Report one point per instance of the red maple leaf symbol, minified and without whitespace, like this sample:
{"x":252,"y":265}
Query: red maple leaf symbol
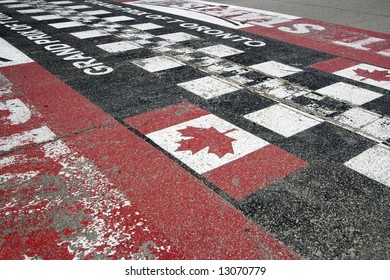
{"x":217,"y":142}
{"x":375,"y":75}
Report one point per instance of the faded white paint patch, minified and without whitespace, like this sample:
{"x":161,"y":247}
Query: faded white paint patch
{"x":121,"y":46}
{"x":118,"y":18}
{"x":19,"y":112}
{"x":357,"y":117}
{"x":96,"y":12}
{"x":278,"y":89}
{"x":16,"y":6}
{"x":5,"y":86}
{"x":31,"y":11}
{"x":89,"y":34}
{"x":379,"y":129}
{"x":47,"y":17}
{"x":157,"y":63}
{"x":178,"y":37}
{"x":62,"y":2}
{"x":220,"y":51}
{"x":38,"y":135}
{"x":146,"y":26}
{"x":68,"y":24}
{"x":79,"y":7}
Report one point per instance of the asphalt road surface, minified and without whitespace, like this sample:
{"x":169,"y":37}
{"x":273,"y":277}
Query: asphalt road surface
{"x":191,"y":130}
{"x":369,"y":15}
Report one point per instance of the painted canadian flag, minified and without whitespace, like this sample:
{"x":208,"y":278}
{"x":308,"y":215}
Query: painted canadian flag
{"x":361,"y":72}
{"x":235,"y":160}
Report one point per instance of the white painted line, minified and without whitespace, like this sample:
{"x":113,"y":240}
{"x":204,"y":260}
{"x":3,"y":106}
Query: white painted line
{"x":379,"y":129}
{"x":38,"y":135}
{"x":10,"y":55}
{"x":118,"y":18}
{"x":373,"y":163}
{"x":89,"y":34}
{"x":31,"y":11}
{"x":69,"y":24}
{"x":46,"y":17}
{"x":202,"y":161}
{"x":146,"y":26}
{"x":208,"y":87}
{"x":349,"y":93}
{"x":357,"y":117}
{"x":79,"y":7}
{"x":275,"y":69}
{"x":283,"y":120}
{"x":97,"y":12}
{"x":116,"y":47}
{"x":220,"y":51}
{"x":178,"y":37}
{"x":157,"y":63}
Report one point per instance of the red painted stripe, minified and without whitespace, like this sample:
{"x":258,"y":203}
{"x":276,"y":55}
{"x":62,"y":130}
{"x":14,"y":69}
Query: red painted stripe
{"x":195,"y":219}
{"x":334,"y":64}
{"x":324,"y":40}
{"x":169,"y":116}
{"x":66,"y":108}
{"x":242,"y":177}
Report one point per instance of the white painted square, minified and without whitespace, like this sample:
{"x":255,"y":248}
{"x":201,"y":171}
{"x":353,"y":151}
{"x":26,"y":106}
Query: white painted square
{"x":118,"y":18}
{"x":157,"y":63}
{"x":278,"y":89}
{"x":46,"y":17}
{"x":357,"y":117}
{"x":97,"y":12}
{"x":380,"y":77}
{"x":283,"y":120}
{"x":89,"y":34}
{"x":379,"y":129}
{"x":203,"y":161}
{"x":79,"y":7}
{"x":146,"y":26}
{"x":349,"y":93}
{"x":220,"y":51}
{"x":178,"y":37}
{"x":275,"y":69}
{"x":208,"y":87}
{"x":62,"y":2}
{"x":31,"y":11}
{"x":17,"y":6}
{"x":68,"y":24}
{"x":117,"y":47}
{"x":11,"y":55}
{"x":373,"y":163}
